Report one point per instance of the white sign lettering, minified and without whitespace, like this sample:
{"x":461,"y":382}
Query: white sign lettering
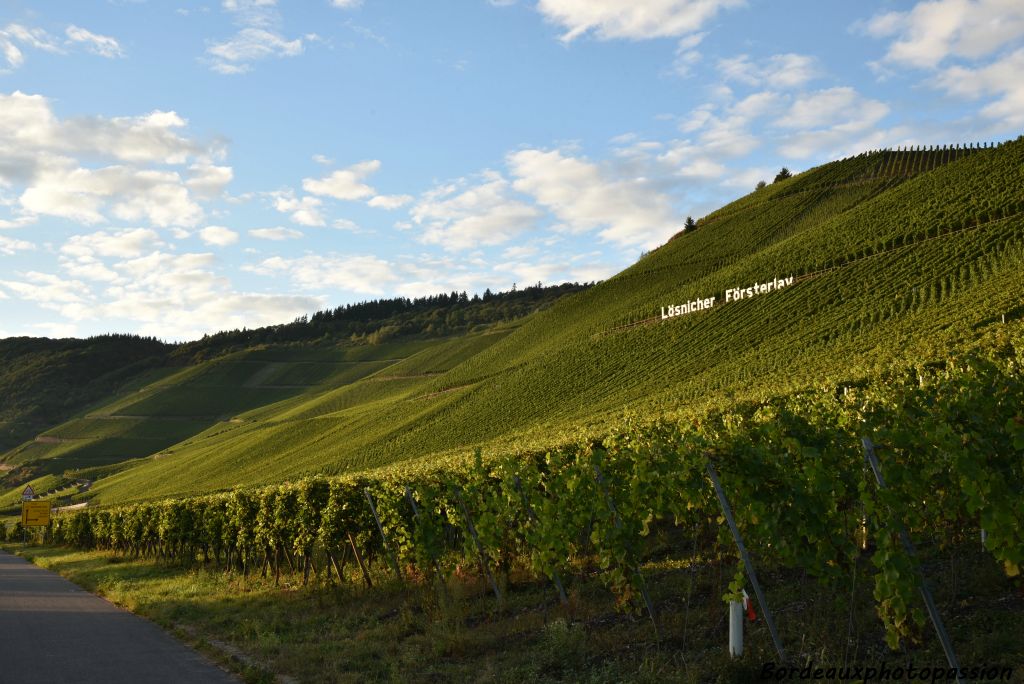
{"x":737,"y":293}
{"x":688,"y":307}
{"x":733,"y":294}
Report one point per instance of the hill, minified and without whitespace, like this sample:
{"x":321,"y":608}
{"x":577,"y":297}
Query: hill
{"x":44,"y":382}
{"x":891,"y":258}
{"x":82,"y":409}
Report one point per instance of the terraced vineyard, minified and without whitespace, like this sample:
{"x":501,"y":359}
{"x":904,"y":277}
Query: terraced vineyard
{"x":211,"y":396}
{"x":897,"y":257}
{"x":888,"y":267}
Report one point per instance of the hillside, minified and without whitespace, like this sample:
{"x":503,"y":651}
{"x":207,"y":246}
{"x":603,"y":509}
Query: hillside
{"x":82,"y":409}
{"x":44,"y":382}
{"x":895,"y":257}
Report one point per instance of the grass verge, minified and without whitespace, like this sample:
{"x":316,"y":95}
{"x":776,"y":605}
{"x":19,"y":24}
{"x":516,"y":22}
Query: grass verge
{"x":415,"y":633}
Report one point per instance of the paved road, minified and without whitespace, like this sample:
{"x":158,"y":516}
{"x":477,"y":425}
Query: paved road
{"x":54,"y":632}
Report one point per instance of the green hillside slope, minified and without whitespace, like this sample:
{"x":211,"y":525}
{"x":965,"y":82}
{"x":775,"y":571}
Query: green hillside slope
{"x":183,"y":402}
{"x":44,"y":382}
{"x":894,"y":257}
{"x":82,"y":409}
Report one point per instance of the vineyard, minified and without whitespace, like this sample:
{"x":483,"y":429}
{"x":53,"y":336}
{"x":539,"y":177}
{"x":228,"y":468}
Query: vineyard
{"x":580,"y":446}
{"x":950,"y":440}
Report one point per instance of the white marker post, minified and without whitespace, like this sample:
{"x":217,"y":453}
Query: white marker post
{"x":735,"y":629}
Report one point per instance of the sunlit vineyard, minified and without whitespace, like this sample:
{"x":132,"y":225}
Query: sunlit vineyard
{"x":888,"y":270}
{"x":950,"y":440}
{"x":573,"y":443}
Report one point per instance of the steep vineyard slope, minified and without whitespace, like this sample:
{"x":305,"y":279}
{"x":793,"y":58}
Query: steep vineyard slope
{"x":182,"y":402}
{"x":44,"y":382}
{"x":893,"y":256}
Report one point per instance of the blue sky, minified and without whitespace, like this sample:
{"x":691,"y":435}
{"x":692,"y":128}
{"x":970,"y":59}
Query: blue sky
{"x":172,"y":169}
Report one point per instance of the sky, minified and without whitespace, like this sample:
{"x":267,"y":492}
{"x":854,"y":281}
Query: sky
{"x":177,"y":168}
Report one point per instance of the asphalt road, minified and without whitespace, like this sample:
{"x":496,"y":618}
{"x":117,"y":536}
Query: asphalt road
{"x":52,"y":631}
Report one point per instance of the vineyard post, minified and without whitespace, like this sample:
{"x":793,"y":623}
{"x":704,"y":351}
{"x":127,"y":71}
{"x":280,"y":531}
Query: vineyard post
{"x":751,"y":573}
{"x":359,"y":559}
{"x":908,"y":546}
{"x":337,"y":567}
{"x":618,"y":525}
{"x":384,"y":538}
{"x":479,"y":547}
{"x":533,"y":516}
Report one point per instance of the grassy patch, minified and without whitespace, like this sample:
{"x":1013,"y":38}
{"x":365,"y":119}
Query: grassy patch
{"x":412,"y":633}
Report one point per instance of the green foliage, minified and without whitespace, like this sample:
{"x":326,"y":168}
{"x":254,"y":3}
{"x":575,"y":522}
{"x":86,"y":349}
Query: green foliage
{"x":43,"y":381}
{"x":949,"y":444}
{"x":889,"y":270}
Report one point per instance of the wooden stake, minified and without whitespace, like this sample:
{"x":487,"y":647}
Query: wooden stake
{"x":359,"y":559}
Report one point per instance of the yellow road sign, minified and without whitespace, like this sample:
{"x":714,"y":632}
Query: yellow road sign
{"x":35,"y":513}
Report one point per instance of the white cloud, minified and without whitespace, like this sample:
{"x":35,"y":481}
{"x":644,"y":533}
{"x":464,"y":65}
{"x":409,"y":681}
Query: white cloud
{"x":124,"y":244}
{"x":344,"y":184}
{"x":104,"y":46}
{"x":637,"y":19}
{"x":252,"y":12}
{"x":322,"y":159}
{"x":176,"y":295}
{"x":305,"y":211}
{"x":842,"y":108}
{"x":519,"y":251}
{"x":934,"y":30}
{"x":369,"y":275}
{"x":686,"y":54}
{"x":459,"y":217}
{"x":628,"y":211}
{"x":278,"y":233}
{"x":14,"y":34}
{"x":346,"y":4}
{"x":173,"y":296}
{"x":80,"y":194}
{"x":831,"y":123}
{"x":689,"y":160}
{"x":783,"y":71}
{"x":56,"y":330}
{"x":748,"y":178}
{"x":389,"y":202}
{"x":28,"y":126}
{"x":88,"y":268}
{"x":38,"y":153}
{"x":345,"y":224}
{"x":234,"y":56}
{"x":1001,"y":79}
{"x":46,"y":289}
{"x":18,"y":222}
{"x":207,"y":180}
{"x":9,"y":246}
{"x":218,"y":235}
